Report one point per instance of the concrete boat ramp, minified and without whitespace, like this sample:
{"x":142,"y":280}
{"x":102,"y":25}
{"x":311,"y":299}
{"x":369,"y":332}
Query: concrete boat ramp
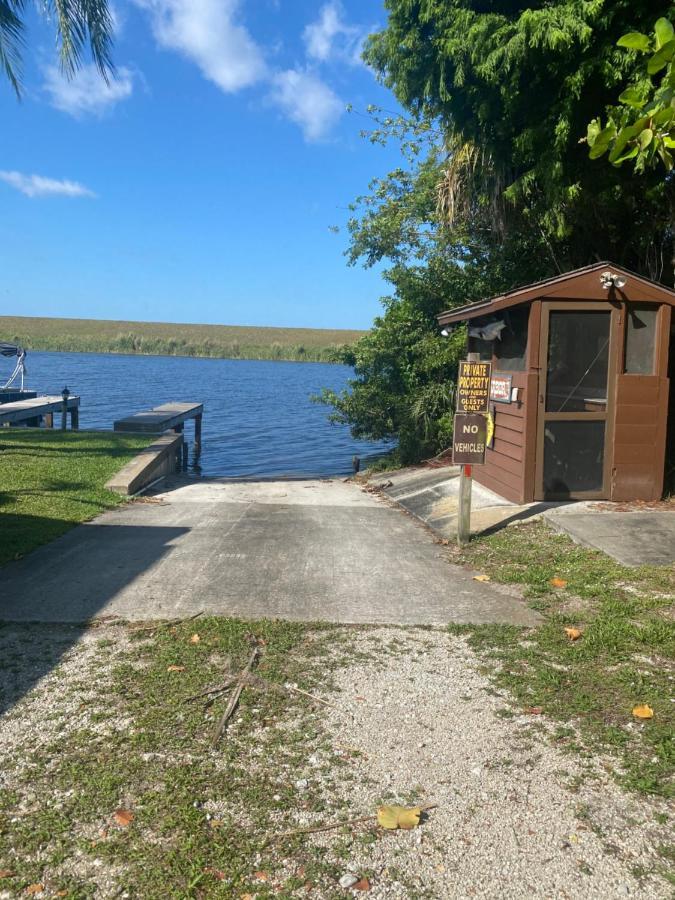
{"x":319,"y":550}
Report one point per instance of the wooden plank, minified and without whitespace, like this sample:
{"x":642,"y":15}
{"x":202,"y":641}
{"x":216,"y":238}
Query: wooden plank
{"x":637,"y":389}
{"x":510,"y":436}
{"x":633,"y":454}
{"x":506,"y":419}
{"x":530,"y":437}
{"x":160,"y":418}
{"x":504,"y":463}
{"x":512,"y":491}
{"x":634,"y":482}
{"x":631,"y":414}
{"x":504,"y":448}
{"x":645,"y":435}
{"x":23,"y":410}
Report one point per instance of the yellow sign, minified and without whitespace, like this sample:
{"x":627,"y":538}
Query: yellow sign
{"x":473,"y":387}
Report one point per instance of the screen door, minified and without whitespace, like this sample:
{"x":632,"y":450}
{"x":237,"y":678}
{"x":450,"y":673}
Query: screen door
{"x":574,"y":391}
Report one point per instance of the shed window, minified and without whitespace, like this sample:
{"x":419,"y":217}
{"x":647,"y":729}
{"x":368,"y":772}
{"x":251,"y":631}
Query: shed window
{"x":511,"y":350}
{"x":640,"y":339}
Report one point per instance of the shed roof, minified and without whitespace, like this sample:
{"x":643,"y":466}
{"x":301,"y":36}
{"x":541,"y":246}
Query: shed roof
{"x":580,"y":284}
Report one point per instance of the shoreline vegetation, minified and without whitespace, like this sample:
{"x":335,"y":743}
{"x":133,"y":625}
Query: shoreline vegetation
{"x":173,"y":339}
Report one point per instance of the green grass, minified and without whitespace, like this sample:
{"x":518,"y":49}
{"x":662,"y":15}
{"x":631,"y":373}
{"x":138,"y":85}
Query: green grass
{"x":51,"y":480}
{"x":202,"y":817}
{"x":168,"y":339}
{"x":625,"y":657}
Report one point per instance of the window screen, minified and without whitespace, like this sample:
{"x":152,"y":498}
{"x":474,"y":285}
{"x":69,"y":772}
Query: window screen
{"x":511,"y":350}
{"x":573,"y":457}
{"x":640,"y":339}
{"x":578,"y":356}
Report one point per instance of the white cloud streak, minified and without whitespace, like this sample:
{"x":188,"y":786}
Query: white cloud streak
{"x":308,"y":101}
{"x":330,"y":37}
{"x":39,"y":186}
{"x":86,"y":93}
{"x":207,"y":33}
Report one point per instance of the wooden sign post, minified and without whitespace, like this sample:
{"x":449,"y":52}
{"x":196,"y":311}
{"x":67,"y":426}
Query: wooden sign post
{"x":470,"y":434}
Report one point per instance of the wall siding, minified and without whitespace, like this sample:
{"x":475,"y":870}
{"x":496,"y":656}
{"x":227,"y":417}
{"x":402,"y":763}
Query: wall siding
{"x":641,"y":414}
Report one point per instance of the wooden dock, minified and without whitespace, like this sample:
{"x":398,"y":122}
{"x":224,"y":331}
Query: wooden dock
{"x":168,"y":416}
{"x":37,"y":408}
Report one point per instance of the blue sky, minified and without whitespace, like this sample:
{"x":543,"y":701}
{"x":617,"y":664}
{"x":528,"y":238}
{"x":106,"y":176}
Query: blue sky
{"x":200,"y":186}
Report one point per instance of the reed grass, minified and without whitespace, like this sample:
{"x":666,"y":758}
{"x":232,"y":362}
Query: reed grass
{"x":167,"y":339}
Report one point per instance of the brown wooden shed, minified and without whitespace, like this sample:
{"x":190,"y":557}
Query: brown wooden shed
{"x":581,"y":367}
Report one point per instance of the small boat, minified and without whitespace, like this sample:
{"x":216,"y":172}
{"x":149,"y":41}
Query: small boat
{"x":11,"y":351}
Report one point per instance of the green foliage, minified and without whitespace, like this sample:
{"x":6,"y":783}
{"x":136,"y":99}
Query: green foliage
{"x":86,"y":23}
{"x":513,"y":87}
{"x":405,"y":369}
{"x":167,"y":339}
{"x":641,"y":127}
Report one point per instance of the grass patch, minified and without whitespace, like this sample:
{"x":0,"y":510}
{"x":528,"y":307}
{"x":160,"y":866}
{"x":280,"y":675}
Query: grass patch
{"x":201,"y":817}
{"x":52,"y":480}
{"x":168,"y":339}
{"x":625,"y":657}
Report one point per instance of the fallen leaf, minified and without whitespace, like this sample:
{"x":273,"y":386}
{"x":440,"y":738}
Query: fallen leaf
{"x":123,"y":817}
{"x":392,"y":817}
{"x":534,"y":710}
{"x":481,"y":578}
{"x":195,"y":639}
{"x":643,"y":711}
{"x":558,"y":582}
{"x":215,"y":823}
{"x":246,"y":897}
{"x":261,"y":876}
{"x":175,"y":668}
{"x":361,"y":885}
{"x":440,"y":868}
{"x":215,"y":872}
{"x":6,"y":873}
{"x":34,"y":889}
{"x":573,"y":633}
{"x":61,"y":894}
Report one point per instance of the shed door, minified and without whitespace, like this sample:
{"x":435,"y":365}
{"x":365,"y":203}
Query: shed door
{"x":575,"y":396}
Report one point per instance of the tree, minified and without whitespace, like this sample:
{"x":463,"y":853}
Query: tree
{"x":404,"y":368}
{"x":513,"y":86}
{"x":79,"y":23}
{"x":641,"y":127}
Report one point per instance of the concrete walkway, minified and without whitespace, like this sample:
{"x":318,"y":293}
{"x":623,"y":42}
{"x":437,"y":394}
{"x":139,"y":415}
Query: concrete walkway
{"x":301,"y":550}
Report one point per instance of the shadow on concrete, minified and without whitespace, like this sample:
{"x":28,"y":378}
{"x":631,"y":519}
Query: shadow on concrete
{"x":535,"y":509}
{"x":39,"y":625}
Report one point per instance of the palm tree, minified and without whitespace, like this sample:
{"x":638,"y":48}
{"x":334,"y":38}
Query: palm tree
{"x":78,"y":23}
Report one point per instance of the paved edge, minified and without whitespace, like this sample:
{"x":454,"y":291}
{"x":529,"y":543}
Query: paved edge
{"x":155,"y":461}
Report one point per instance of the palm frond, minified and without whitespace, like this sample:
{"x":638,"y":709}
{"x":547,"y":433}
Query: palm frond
{"x":11,"y":41}
{"x":82,"y":22}
{"x":471,"y":179}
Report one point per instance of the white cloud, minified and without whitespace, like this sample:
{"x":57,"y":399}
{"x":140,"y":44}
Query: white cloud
{"x":307,"y":101}
{"x":39,"y":186}
{"x":207,"y":32}
{"x":331,"y":37}
{"x":86,"y":92}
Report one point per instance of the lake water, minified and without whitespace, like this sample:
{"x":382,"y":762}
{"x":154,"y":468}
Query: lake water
{"x":258,"y":416}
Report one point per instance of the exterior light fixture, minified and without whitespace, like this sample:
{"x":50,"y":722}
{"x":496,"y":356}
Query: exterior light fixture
{"x":609,"y":280}
{"x":445,"y":332}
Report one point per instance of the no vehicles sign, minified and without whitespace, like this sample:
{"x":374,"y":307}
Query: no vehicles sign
{"x":469,"y":439}
{"x":473,"y":387}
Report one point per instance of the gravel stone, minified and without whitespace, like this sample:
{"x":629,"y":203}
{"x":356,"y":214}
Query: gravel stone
{"x":506,"y":824}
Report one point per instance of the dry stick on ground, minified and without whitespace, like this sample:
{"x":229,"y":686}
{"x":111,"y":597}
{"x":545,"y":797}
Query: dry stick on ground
{"x":170,"y":623}
{"x":219,"y":689}
{"x":236,"y":694}
{"x":343,"y":823}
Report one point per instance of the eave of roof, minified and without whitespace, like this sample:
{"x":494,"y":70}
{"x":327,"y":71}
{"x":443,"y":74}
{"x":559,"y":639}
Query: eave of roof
{"x":580,"y":284}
